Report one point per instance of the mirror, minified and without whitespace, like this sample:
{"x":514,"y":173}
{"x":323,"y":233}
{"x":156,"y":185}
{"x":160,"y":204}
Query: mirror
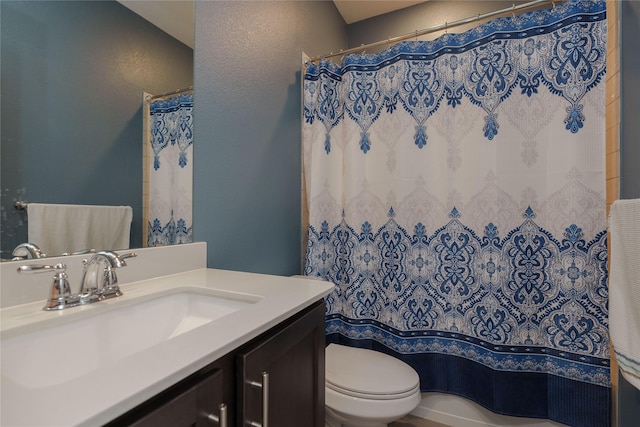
{"x":73,"y":75}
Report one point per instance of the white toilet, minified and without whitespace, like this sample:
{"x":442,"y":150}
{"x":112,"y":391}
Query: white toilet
{"x":366,"y":388}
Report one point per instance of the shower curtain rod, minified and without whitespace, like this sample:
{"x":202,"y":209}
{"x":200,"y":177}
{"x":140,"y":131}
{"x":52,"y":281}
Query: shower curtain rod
{"x":436,"y":28}
{"x":174,"y":92}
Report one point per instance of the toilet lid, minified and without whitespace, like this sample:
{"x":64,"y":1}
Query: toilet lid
{"x":361,"y":372}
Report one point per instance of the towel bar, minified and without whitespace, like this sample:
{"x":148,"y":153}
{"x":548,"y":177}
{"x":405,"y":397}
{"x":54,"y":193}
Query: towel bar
{"x":20,"y":205}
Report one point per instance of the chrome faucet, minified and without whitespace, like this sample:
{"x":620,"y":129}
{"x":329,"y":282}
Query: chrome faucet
{"x":99,"y":281}
{"x":26,"y":251}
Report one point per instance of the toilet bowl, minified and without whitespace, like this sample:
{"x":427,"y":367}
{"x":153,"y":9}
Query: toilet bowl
{"x":366,"y":388}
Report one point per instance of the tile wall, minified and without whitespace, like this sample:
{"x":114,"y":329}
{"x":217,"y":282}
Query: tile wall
{"x":613,"y":136}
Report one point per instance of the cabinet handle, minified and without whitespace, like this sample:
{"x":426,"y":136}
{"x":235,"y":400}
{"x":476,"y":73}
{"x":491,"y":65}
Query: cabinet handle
{"x":265,"y":400}
{"x":222,"y":419}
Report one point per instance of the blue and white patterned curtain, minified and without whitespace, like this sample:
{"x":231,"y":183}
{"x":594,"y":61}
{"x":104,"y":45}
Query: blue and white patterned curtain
{"x":457,"y":200}
{"x":171,"y":171}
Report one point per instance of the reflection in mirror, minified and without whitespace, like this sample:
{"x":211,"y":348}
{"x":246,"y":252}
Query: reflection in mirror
{"x":168,"y":183}
{"x":73,"y":75}
{"x":27,"y":251}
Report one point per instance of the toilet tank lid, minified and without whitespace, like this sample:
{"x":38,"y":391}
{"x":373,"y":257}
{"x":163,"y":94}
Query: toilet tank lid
{"x":367,"y":371}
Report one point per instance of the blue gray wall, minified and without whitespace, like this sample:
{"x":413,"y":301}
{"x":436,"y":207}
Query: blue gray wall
{"x":628,"y":396}
{"x":630,"y":108}
{"x":247,"y":110}
{"x":73,"y":73}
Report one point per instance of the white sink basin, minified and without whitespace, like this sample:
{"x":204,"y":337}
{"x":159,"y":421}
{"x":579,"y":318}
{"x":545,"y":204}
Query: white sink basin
{"x":40,"y":358}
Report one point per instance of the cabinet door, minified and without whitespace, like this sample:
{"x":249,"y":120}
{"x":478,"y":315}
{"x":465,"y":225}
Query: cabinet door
{"x":192,"y":407}
{"x":195,"y":401}
{"x":281,"y":379}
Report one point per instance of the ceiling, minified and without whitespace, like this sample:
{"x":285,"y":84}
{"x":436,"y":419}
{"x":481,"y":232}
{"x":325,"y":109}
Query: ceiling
{"x":358,"y":10}
{"x":176,"y":17}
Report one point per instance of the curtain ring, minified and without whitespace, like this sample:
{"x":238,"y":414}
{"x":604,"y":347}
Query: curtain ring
{"x":445,"y":27}
{"x":513,"y":10}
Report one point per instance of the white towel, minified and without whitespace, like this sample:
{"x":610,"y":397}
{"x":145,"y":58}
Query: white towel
{"x":624,"y":287}
{"x":58,"y":229}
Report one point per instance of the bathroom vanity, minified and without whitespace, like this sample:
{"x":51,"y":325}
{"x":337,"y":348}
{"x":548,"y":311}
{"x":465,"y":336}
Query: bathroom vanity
{"x":198,"y":345}
{"x":280,"y":372}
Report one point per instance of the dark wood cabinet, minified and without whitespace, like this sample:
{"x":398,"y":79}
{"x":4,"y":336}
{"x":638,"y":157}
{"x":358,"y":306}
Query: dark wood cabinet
{"x":205,"y":398}
{"x":275,"y":380}
{"x":201,"y":405}
{"x":281,"y":378}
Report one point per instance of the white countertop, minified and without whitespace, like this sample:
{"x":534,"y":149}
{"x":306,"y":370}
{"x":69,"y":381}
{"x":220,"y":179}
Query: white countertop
{"x":106,"y":393}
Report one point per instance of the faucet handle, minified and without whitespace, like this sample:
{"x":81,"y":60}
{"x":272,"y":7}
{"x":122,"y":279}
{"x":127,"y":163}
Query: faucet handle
{"x":99,"y":280}
{"x":81,"y":252}
{"x":110,"y":287}
{"x":60,"y":293}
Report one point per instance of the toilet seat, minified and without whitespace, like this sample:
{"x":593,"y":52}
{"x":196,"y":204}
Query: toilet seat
{"x":368,"y":374}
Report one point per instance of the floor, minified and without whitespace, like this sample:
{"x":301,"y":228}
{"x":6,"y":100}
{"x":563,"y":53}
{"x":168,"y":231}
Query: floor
{"x":411,"y":421}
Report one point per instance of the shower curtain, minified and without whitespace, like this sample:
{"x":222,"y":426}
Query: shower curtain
{"x":170,"y":171}
{"x":456,"y":195}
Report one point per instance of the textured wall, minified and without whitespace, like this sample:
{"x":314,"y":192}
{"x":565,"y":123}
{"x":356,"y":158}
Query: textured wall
{"x":247,"y":126}
{"x":628,"y":396}
{"x":630,"y":88}
{"x":73,"y":73}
